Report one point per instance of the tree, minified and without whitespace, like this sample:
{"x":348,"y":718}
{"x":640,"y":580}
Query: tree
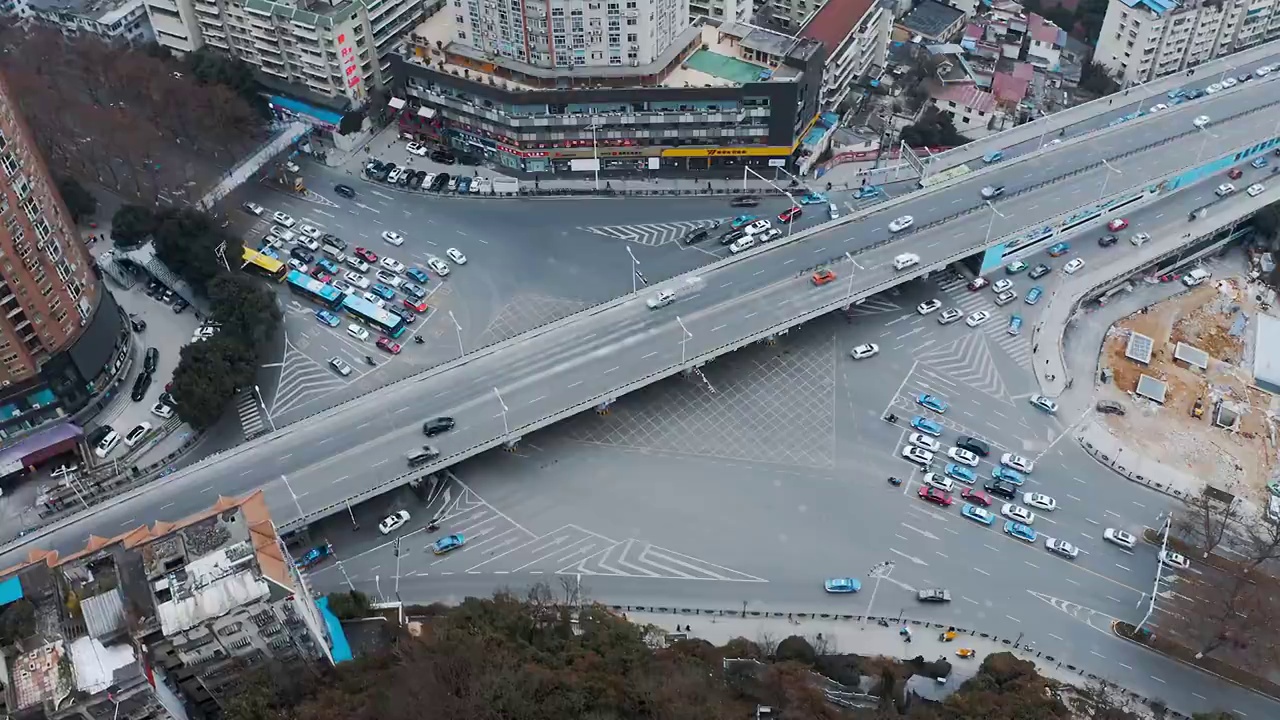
{"x":349,"y":605}
{"x":1096,"y":79}
{"x":797,"y":649}
{"x":1237,"y":613}
{"x":132,"y":225}
{"x":188,"y":242}
{"x":351,"y":122}
{"x":208,"y":375}
{"x":1100,"y":699}
{"x":17,"y":621}
{"x":80,"y":202}
{"x":933,"y":129}
{"x":1204,"y":521}
{"x":210,"y":68}
{"x":245,"y":306}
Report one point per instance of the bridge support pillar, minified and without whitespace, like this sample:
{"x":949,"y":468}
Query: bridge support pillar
{"x":511,"y":445}
{"x":771,"y":340}
{"x":603,"y":408}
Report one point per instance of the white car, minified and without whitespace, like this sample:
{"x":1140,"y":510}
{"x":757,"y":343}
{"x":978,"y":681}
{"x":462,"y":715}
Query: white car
{"x":756,"y":227}
{"x":1202,"y":120}
{"x":770,"y":235}
{"x":1263,"y":71}
{"x":901,"y":224}
{"x":341,"y":366}
{"x":942,"y":482}
{"x":1061,"y":547}
{"x":1044,"y":404}
{"x":393,"y":177}
{"x":136,"y":434}
{"x":282,"y":219}
{"x":862,"y":352}
{"x":283,"y":234}
{"x":746,"y":242}
{"x":357,"y":332}
{"x":456,"y":255}
{"x":949,"y":316}
{"x":253,"y":208}
{"x":1225,"y":189}
{"x":358,"y":264}
{"x":162,"y":411}
{"x":374,"y":299}
{"x":962,"y":456}
{"x":204,"y":333}
{"x":1229,"y":82}
{"x":977,"y":318}
{"x":1002,"y":285}
{"x":1017,"y":513}
{"x":924,"y":442}
{"x":392,"y":264}
{"x":310,"y":232}
{"x":1040,"y":501}
{"x":393,"y":238}
{"x":1158,"y":107}
{"x":300,"y":266}
{"x":1168,"y":556}
{"x":906,"y":260}
{"x":1119,"y":537}
{"x":341,"y":286}
{"x":928,"y":306}
{"x":1138,"y":239}
{"x":417,"y":149}
{"x":386,"y":277}
{"x":356,"y":279}
{"x":1017,"y":462}
{"x":309,"y":244}
{"x":480,"y":185}
{"x":1256,"y":189}
{"x":440,"y":267}
{"x":662,"y":299}
{"x":916,"y":455}
{"x":1071,"y":267}
{"x":1214,"y":88}
{"x":390,"y":523}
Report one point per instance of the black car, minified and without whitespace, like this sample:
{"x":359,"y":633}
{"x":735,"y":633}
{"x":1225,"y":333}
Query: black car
{"x":405,"y":177}
{"x":138,"y":325}
{"x":404,"y":313}
{"x":443,"y":157}
{"x":1038,"y":271}
{"x":345,"y":191}
{"x":301,"y":254}
{"x":934,"y":595}
{"x":95,"y":436}
{"x":385,"y":171}
{"x":333,"y":241}
{"x":422,"y":456}
{"x":471,"y":160}
{"x":180,"y":306}
{"x":744,"y":201}
{"x":1108,"y":240}
{"x":1002,"y":489}
{"x":697,"y":236}
{"x":440,"y":182}
{"x":732,"y":235}
{"x":416,"y":181}
{"x":435,"y":426}
{"x":1110,"y":407}
{"x":150,"y":359}
{"x":167,"y":399}
{"x":140,"y":386}
{"x":974,"y":445}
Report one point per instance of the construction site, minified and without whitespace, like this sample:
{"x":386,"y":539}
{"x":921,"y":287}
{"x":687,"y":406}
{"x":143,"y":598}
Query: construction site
{"x":1182,"y":371}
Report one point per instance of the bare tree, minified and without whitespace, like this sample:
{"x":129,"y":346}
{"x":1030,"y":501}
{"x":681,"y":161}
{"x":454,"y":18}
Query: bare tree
{"x":1205,"y":521}
{"x":1235,"y":615}
{"x":1261,"y":543}
{"x":1100,"y":699}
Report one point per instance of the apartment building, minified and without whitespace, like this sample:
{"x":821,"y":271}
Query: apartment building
{"x":709,"y":96}
{"x":160,"y":622}
{"x":1145,"y":39}
{"x":122,"y":21}
{"x":726,"y":10}
{"x":63,"y":339}
{"x":855,"y":34}
{"x":793,"y":14}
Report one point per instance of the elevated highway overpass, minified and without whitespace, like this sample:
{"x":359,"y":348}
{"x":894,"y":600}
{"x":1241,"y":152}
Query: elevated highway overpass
{"x":357,"y":450}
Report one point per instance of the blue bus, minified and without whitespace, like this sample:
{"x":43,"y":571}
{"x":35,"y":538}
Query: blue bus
{"x":385,"y":322}
{"x":314,"y":290}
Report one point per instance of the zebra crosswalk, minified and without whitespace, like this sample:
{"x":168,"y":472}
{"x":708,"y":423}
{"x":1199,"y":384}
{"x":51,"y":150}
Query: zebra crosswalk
{"x":250,"y":413}
{"x":652,"y":234}
{"x":1016,"y":348}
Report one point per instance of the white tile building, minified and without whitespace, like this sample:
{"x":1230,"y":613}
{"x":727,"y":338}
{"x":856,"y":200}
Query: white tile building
{"x":112,"y":20}
{"x":855,"y":34}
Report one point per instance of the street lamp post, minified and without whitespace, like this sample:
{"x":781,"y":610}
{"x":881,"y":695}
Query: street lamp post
{"x":877,"y":571}
{"x":221,"y":252}
{"x":1204,"y":143}
{"x":635,"y":271}
{"x":258,"y":394}
{"x":294,"y":495}
{"x":791,"y":218}
{"x":991,"y":224}
{"x":1107,"y":177}
{"x":457,"y":327}
{"x":1164,"y":545}
{"x":683,"y":339}
{"x":354,"y":525}
{"x":505,"y":429}
{"x":854,"y":263}
{"x":595,"y":151}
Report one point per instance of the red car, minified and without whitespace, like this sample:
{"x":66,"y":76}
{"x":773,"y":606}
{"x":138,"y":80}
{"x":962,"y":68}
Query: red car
{"x":977,"y":283}
{"x":386,"y":344}
{"x":935,"y":496}
{"x":976,"y":497}
{"x":418,"y":306}
{"x":368,"y":256}
{"x":322,"y":276}
{"x":1117,"y":224}
{"x":1235,"y":174}
{"x":790,"y":214}
{"x":823,"y":276}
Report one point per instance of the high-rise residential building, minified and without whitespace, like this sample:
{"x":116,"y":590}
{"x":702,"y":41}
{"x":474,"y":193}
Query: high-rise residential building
{"x":856,"y":36}
{"x":724,"y":10}
{"x":63,"y":339}
{"x":123,"y":21}
{"x":1145,"y":39}
{"x":160,"y":622}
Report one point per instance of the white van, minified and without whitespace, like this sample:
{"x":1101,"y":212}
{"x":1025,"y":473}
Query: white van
{"x":337,"y":255}
{"x":107,"y":444}
{"x":1195,"y":277}
{"x":905,"y":260}
{"x":745,"y":242}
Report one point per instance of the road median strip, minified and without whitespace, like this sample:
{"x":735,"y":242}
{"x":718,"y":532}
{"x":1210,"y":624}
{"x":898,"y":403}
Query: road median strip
{"x":1186,"y":656}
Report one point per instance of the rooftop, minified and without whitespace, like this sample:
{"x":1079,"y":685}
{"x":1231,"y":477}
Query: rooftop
{"x":834,"y":21}
{"x":931,"y":19}
{"x":965,"y":96}
{"x":1043,"y":31}
{"x":310,"y":14}
{"x":1009,"y":89}
{"x":103,"y":11}
{"x":1159,"y":7}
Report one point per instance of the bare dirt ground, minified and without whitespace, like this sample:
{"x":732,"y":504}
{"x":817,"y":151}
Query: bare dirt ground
{"x":1238,"y":459}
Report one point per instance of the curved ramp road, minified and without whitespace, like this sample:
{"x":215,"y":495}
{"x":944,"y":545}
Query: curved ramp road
{"x":355,"y":450}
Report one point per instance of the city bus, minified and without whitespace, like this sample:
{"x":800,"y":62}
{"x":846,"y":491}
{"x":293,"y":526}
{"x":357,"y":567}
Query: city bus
{"x":263,"y":264}
{"x":314,"y":290}
{"x":385,"y":322}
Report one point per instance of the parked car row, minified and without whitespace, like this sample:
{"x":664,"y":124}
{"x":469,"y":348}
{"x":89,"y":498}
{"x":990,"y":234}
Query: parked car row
{"x":411,"y":179}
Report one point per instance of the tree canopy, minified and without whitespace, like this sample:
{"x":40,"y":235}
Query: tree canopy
{"x":933,"y":129}
{"x":80,"y":202}
{"x":207,"y":377}
{"x":187,"y":241}
{"x":132,"y":225}
{"x":245,"y":306}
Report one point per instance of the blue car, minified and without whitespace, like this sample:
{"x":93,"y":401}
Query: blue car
{"x":1015,"y":325}
{"x":464,"y":184}
{"x":329,"y":266}
{"x":742,"y":220}
{"x":1175,"y":94}
{"x":1259,"y":162}
{"x":417,"y":275}
{"x":383,"y":291}
{"x":842,"y":585}
{"x":935,"y":404}
{"x":269,"y":252}
{"x":415,"y":291}
{"x":961,"y":473}
{"x":314,"y":556}
{"x":1033,"y":295}
{"x":1012,"y":477}
{"x":993,"y":156}
{"x":866,"y":192}
{"x":926,"y":426}
{"x":1059,"y":250}
{"x":328,"y":318}
{"x":447,"y":543}
{"x":1020,"y":531}
{"x":813,"y":199}
{"x":977,"y":514}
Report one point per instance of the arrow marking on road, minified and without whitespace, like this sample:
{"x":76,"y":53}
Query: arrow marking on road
{"x":925,"y":533}
{"x":903,"y":555}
